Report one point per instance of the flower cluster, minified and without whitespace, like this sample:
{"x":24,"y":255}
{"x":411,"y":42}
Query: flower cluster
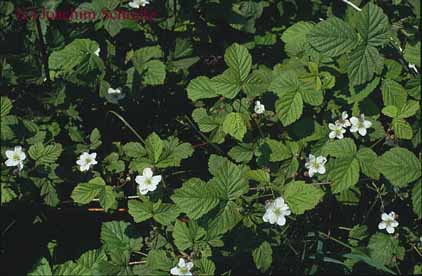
{"x":276,"y":212}
{"x":358,"y":124}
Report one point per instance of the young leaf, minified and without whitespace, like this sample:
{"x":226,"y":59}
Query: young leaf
{"x":263,"y":256}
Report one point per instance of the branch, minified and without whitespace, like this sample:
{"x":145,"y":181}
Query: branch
{"x":352,"y":5}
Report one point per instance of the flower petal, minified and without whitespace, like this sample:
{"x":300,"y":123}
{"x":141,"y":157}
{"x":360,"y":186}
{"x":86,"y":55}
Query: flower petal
{"x":147,"y":172}
{"x":362,"y":131}
{"x":382,"y":225}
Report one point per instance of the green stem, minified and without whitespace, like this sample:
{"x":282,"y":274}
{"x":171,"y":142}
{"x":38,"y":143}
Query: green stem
{"x":203,"y":136}
{"x":128,"y":125}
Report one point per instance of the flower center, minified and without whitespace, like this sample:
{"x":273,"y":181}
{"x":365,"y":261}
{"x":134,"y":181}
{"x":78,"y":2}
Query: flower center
{"x":16,"y":157}
{"x":315,"y":164}
{"x":183,"y":269}
{"x":360,"y":124}
{"x":88,"y":160}
{"x":148,"y":181}
{"x":277,"y":211}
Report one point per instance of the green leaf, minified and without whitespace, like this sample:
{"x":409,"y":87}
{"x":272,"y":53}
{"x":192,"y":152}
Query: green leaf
{"x":235,"y":125}
{"x":409,"y":109}
{"x":91,"y":260}
{"x":344,"y":173}
{"x":289,"y":107}
{"x":154,"y":147}
{"x":390,"y":111}
{"x":119,"y":235}
{"x":402,"y":129}
{"x":260,"y":175}
{"x":238,"y":58}
{"x":393,"y":93}
{"x":141,"y":56}
{"x":161,"y":212}
{"x":367,"y":162}
{"x":332,"y":37}
{"x":340,"y":148}
{"x":185,"y":235}
{"x":242,"y":152}
{"x":295,"y":38}
{"x":96,"y":187}
{"x":155,"y":73}
{"x":201,"y":88}
{"x":257,"y":83}
{"x":45,"y":154}
{"x":263,"y":256}
{"x":42,"y":267}
{"x":301,"y":197}
{"x":279,"y":151}
{"x":399,"y":166}
{"x":383,"y":247}
{"x":227,"y":84}
{"x":417,"y":198}
{"x":372,"y":24}
{"x":5,"y":106}
{"x":78,"y":56}
{"x":363,"y":62}
{"x":195,"y":198}
{"x":229,"y":180}
{"x":158,"y":259}
{"x":134,"y":150}
{"x":205,"y":266}
{"x":174,"y":152}
{"x":412,"y":53}
{"x":225,"y":220}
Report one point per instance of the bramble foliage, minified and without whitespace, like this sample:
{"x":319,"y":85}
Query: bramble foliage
{"x":213,"y":138}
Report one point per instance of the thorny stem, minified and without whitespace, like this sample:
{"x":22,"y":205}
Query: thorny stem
{"x":203,"y":136}
{"x":137,"y":262}
{"x":335,"y":240}
{"x":352,"y":5}
{"x":377,"y":142}
{"x":259,"y":128}
{"x":128,"y":125}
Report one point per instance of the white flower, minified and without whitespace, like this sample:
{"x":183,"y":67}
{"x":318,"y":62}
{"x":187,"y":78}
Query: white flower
{"x":276,"y":211}
{"x":147,"y":182}
{"x":97,"y":52}
{"x":337,"y":131}
{"x":114,"y":95}
{"x":259,"y":108}
{"x":182,"y":268}
{"x":343,"y":122}
{"x":15,"y":157}
{"x":137,"y":3}
{"x":86,"y":160}
{"x":360,"y":125}
{"x":315,"y":165}
{"x":388,"y":222}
